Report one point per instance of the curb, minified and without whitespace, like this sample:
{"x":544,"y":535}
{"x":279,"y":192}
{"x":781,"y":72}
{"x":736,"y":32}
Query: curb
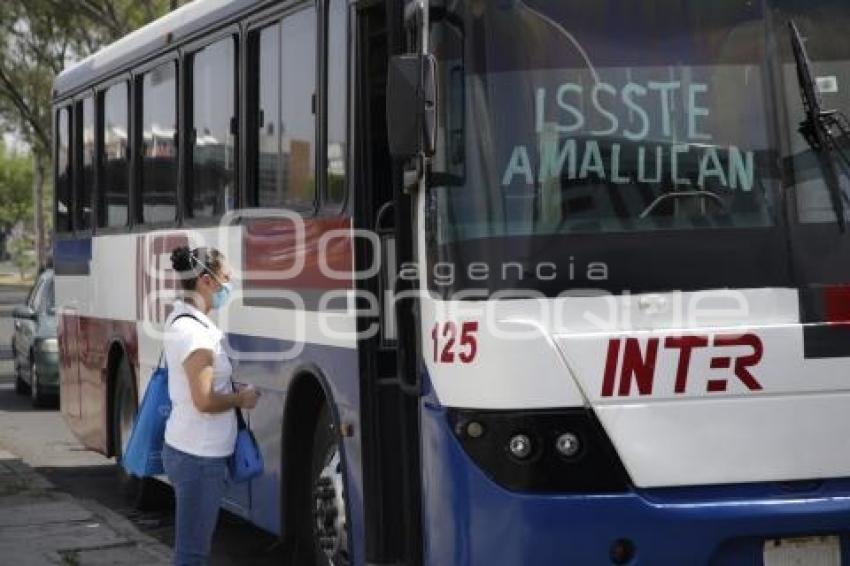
{"x":43,"y":526}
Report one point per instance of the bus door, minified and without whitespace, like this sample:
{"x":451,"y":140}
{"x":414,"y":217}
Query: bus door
{"x":390,"y":389}
{"x":814,"y":68}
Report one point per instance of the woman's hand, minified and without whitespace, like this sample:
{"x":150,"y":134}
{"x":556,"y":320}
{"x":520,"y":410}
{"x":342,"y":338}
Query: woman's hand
{"x":247,"y":397}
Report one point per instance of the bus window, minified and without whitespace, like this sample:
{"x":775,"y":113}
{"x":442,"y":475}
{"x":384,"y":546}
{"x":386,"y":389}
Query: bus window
{"x":337,"y":90}
{"x":267,"y":164}
{"x":63,"y":171}
{"x":113,"y":200}
{"x":159,"y":145}
{"x":298,"y":120}
{"x":85,"y":190}
{"x":285,"y":160}
{"x":212,"y":184}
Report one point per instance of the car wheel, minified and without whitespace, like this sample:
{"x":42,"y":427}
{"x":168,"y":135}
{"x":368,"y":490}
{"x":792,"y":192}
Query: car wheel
{"x":330,"y":512}
{"x":36,"y":396}
{"x":139,"y":492}
{"x":21,"y":387}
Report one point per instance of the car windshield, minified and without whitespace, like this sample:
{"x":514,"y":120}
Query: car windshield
{"x":576,"y":117}
{"x":50,"y":296}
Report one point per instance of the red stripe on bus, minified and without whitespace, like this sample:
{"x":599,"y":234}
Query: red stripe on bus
{"x":84,"y":344}
{"x":274,"y":247}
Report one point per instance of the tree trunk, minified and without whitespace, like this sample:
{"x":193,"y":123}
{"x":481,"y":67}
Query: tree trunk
{"x":37,"y":207}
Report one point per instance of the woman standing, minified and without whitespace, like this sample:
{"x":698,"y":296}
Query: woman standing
{"x":201,"y":431}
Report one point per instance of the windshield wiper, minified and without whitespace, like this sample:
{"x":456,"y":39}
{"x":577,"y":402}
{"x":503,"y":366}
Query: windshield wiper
{"x":820,"y":126}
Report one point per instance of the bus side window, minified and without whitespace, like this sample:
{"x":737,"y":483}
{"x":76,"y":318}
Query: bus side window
{"x":284,"y":167}
{"x":159,"y":145}
{"x":114,"y":195}
{"x":86,"y":145}
{"x":63,"y":171}
{"x":267,"y":168}
{"x":212,"y":181}
{"x":337,"y":102}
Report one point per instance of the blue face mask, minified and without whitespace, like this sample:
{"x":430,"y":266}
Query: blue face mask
{"x":221,"y":297}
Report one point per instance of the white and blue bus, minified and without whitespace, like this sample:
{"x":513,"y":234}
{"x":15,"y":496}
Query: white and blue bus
{"x":521,"y":281}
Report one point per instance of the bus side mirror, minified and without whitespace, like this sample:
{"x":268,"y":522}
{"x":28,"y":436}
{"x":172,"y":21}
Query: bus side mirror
{"x":412,"y":105}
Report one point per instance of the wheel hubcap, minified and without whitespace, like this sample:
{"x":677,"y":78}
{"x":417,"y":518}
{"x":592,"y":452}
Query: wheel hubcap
{"x":329,"y":510}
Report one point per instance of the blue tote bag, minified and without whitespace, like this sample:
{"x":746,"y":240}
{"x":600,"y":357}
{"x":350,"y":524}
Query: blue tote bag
{"x":246,"y":463}
{"x":143,"y":457}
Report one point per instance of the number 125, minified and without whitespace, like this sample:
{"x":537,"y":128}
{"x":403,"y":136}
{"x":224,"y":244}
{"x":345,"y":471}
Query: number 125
{"x":447,"y":346}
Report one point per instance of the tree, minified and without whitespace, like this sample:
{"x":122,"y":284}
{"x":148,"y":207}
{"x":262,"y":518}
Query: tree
{"x":39,"y":38}
{"x":21,"y":250}
{"x":16,"y":174}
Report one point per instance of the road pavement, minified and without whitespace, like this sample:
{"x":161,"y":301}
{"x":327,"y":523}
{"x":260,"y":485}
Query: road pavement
{"x":41,"y":440}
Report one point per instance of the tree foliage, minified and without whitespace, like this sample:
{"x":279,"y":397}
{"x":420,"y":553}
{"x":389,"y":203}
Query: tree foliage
{"x":15,"y":188}
{"x":21,"y":252}
{"x":38,"y":38}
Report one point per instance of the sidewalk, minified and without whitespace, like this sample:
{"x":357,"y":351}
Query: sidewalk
{"x":42,"y":526}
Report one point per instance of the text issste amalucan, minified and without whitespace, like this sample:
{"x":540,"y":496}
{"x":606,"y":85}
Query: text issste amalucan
{"x":654,"y":132}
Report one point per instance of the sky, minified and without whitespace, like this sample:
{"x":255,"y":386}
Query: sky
{"x":15,"y":143}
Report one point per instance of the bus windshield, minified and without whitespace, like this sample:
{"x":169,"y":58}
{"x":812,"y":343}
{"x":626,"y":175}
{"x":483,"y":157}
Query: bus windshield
{"x":576,"y":117}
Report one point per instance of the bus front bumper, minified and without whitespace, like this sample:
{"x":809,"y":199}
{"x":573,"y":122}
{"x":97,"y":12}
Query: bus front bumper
{"x":470,"y":520}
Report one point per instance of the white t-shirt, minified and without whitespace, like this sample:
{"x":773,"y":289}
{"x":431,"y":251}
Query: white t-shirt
{"x":187,"y":429}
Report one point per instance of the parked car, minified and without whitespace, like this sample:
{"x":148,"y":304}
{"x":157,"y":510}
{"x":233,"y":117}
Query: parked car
{"x":34,"y":343}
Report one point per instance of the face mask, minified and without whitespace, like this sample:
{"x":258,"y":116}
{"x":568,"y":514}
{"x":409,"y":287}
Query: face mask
{"x":222,"y":296}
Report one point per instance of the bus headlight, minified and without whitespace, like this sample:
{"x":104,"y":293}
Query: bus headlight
{"x":540,"y":450}
{"x":568,"y":445}
{"x":520,"y":446}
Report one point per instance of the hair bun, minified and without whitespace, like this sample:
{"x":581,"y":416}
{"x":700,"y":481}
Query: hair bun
{"x":181,"y":259}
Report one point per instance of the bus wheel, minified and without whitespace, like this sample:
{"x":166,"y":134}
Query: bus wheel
{"x":330,"y":532}
{"x":138,"y":491}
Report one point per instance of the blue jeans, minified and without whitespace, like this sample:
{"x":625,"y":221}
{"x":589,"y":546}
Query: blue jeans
{"x":199,"y":484}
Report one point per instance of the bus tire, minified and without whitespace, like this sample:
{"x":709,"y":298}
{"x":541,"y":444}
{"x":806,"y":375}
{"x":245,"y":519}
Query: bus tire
{"x":139,"y":492}
{"x":331,"y":546}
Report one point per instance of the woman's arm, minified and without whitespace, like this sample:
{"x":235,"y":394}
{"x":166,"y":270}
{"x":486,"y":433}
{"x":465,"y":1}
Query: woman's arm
{"x":199,"y":369}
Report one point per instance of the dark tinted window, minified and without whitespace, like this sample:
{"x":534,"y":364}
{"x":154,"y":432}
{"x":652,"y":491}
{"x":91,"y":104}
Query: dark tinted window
{"x":86,"y":187}
{"x":159,"y":145}
{"x":114,"y":175}
{"x":286,"y":139}
{"x":337,"y":100}
{"x":212,"y":187}
{"x":63,"y":171}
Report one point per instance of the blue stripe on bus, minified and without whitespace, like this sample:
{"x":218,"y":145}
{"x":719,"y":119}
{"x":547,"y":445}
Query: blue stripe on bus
{"x":273,"y":376}
{"x":72,"y":257}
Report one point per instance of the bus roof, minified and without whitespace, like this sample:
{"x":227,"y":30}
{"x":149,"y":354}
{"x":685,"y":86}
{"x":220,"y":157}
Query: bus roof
{"x":134,"y":48}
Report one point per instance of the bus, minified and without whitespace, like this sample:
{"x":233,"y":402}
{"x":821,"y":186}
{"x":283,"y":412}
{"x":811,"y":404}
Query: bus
{"x":520,"y":281}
